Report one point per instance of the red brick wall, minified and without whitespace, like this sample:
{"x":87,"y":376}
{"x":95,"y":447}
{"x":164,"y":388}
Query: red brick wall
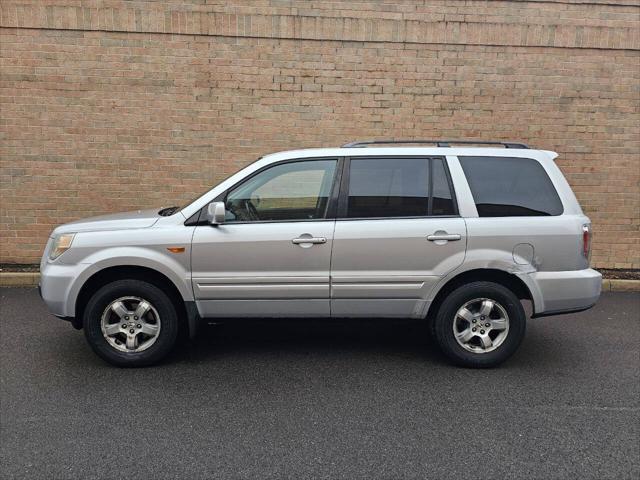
{"x":116,"y":105}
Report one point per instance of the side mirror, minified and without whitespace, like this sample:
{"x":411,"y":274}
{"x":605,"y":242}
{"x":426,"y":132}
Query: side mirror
{"x":216,"y":213}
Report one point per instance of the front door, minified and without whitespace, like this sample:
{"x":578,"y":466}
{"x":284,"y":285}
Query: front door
{"x":397,"y":234}
{"x":271,"y":256}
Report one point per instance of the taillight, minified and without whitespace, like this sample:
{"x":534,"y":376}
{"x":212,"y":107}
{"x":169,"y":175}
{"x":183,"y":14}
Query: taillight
{"x":586,"y":240}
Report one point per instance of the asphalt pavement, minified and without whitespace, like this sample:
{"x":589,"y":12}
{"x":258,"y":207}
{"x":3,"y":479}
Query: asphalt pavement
{"x":322,"y":399}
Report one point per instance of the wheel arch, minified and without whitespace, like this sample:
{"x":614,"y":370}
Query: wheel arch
{"x":135,"y":272}
{"x":508,"y":280}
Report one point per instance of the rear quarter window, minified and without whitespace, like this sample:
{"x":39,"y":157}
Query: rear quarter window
{"x":510,"y":187}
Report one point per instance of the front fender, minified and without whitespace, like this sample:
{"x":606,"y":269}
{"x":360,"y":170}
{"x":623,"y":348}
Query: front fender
{"x":176,"y":271}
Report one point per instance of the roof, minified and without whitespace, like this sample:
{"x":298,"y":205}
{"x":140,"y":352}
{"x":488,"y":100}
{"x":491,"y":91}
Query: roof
{"x":413,"y":151}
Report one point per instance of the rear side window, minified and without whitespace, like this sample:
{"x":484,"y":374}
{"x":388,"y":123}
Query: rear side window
{"x":510,"y":187}
{"x":398,"y":187}
{"x":388,"y":187}
{"x":442,"y":197}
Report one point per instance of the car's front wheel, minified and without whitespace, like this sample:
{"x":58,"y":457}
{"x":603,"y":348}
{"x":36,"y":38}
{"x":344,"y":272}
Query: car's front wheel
{"x":480,"y":324}
{"x":130,"y":323}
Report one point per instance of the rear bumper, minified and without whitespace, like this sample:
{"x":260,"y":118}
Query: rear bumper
{"x":567,"y":292}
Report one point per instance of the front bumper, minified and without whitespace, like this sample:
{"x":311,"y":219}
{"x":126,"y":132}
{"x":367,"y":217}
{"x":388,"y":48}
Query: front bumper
{"x":56,"y":281}
{"x":567,"y":291}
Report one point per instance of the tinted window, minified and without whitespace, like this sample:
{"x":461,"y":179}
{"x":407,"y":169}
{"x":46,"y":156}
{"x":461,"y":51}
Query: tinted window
{"x":388,"y":187}
{"x":442,"y":198}
{"x":289,"y":191}
{"x":507,"y":187}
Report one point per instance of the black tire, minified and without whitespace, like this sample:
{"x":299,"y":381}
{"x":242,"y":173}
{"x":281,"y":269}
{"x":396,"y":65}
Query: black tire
{"x":442,"y":326}
{"x":100,"y":300}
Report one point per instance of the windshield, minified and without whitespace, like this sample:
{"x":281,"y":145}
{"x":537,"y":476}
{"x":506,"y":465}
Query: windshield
{"x":193,"y":199}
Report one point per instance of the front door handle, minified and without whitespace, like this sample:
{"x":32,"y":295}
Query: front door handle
{"x":447,"y":237}
{"x":299,"y":240}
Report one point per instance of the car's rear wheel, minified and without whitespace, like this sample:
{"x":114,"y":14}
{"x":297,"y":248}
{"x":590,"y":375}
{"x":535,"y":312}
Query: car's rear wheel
{"x":480,"y":325}
{"x":131,"y":323}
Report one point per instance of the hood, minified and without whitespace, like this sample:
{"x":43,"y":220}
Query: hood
{"x":113,"y":221}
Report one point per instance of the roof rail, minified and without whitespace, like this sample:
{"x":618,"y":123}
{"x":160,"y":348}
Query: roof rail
{"x":439,"y":143}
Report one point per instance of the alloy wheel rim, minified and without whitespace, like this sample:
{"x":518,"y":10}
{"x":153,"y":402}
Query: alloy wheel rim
{"x":481,"y":325}
{"x":130,"y":324}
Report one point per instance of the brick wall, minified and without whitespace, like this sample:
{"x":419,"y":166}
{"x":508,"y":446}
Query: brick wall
{"x":116,"y":105}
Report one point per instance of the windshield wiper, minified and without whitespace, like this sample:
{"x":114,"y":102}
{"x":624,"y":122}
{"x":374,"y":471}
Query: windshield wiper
{"x":165,"y":212}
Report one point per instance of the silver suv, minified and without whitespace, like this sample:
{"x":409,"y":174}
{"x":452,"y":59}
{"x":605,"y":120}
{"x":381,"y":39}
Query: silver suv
{"x":458,"y":236}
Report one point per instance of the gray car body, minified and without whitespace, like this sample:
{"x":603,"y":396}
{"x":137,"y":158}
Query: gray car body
{"x":366,"y":268}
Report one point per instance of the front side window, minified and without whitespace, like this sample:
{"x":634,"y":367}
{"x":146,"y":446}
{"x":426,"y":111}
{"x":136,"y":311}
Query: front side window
{"x":289,"y":191}
{"x":509,"y":187}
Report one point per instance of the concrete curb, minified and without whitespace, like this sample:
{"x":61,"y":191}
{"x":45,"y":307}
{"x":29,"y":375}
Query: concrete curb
{"x":30,"y":279}
{"x":19,"y":279}
{"x":616,"y":285}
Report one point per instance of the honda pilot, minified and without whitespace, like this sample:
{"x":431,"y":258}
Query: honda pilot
{"x":461,"y":235}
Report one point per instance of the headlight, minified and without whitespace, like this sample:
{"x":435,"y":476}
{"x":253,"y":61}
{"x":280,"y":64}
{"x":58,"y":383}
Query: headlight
{"x":61,"y":244}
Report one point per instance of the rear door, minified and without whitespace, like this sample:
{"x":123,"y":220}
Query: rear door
{"x":397,"y":233}
{"x":271,"y":256}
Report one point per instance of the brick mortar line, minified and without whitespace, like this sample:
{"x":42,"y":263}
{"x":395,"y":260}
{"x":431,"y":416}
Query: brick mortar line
{"x":578,"y":3}
{"x":301,"y":26}
{"x":310,"y":39}
{"x":202,"y":7}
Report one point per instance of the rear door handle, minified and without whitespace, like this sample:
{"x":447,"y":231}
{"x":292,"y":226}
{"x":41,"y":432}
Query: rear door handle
{"x":443,"y":236}
{"x":299,"y":240}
